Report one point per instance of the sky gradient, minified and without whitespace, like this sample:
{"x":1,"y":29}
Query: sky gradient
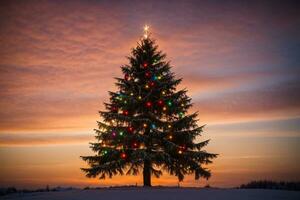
{"x":239,"y":61}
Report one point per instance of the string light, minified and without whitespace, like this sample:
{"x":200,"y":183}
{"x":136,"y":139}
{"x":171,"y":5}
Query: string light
{"x":113,"y":134}
{"x":169,"y":103}
{"x":180,"y":152}
{"x":135,"y":144}
{"x":159,"y":77}
{"x":140,"y":98}
{"x":153,"y":126}
{"x":163,"y":92}
{"x":145,"y":125}
{"x":145,"y":65}
{"x":180,"y":114}
{"x":182,"y":105}
{"x":164,"y":108}
{"x":121,"y":133}
{"x":131,"y":94}
{"x":147,"y":86}
{"x":169,"y":126}
{"x":170,"y":137}
{"x":104,"y":152}
{"x":125,"y":112}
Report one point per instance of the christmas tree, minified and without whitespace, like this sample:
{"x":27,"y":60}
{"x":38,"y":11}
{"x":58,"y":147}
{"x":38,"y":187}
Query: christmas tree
{"x":146,"y":125}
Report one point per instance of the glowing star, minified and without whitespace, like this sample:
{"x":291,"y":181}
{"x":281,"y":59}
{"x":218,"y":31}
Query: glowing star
{"x":146,"y":31}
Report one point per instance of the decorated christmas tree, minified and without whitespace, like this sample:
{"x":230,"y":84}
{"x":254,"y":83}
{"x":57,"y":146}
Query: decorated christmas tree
{"x":146,"y":126}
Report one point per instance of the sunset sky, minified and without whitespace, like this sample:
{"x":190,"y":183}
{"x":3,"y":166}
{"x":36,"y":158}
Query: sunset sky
{"x":239,"y":60}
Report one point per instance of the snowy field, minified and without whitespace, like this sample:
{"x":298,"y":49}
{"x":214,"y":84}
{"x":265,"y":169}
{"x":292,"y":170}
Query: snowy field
{"x":160,"y":194}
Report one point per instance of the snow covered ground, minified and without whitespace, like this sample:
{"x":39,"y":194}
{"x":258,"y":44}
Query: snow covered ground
{"x":159,"y":194}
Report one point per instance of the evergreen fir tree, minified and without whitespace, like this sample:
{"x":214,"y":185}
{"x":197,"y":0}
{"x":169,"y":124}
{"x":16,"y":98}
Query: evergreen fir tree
{"x":146,"y":125}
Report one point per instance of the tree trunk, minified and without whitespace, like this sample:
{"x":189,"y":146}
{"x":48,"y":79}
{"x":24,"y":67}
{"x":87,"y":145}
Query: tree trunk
{"x":147,"y":173}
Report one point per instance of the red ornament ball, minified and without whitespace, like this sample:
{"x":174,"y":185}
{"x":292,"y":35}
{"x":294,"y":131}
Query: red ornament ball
{"x":126,"y":77}
{"x":135,"y":144}
{"x":130,"y":129}
{"x":160,"y":102}
{"x":114,"y":109}
{"x":148,"y":74}
{"x":152,"y":83}
{"x":123,"y":155}
{"x":148,"y":104}
{"x":125,"y":112}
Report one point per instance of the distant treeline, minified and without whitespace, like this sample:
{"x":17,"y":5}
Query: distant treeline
{"x":11,"y":190}
{"x":264,"y":184}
